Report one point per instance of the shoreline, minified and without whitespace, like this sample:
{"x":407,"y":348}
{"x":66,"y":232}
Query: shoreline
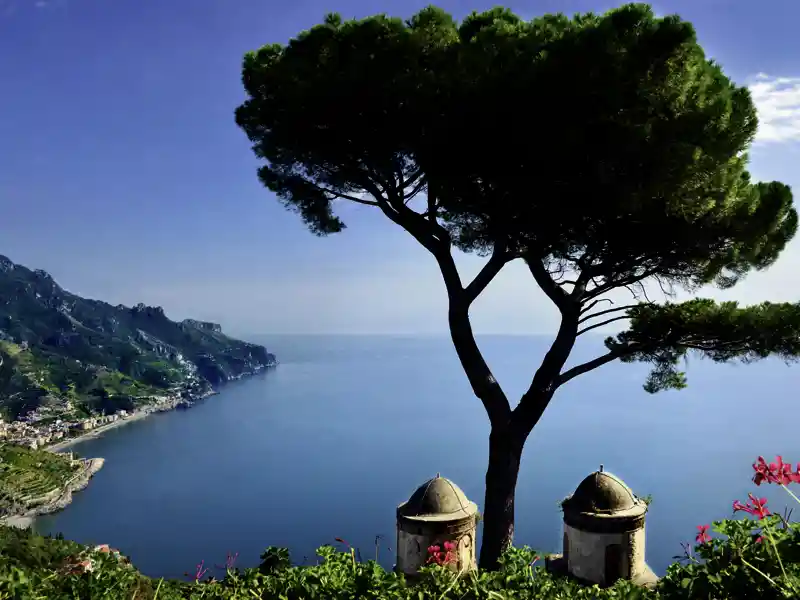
{"x":134,"y":416}
{"x":61,"y":498}
{"x":93,"y":465}
{"x":96,"y":432}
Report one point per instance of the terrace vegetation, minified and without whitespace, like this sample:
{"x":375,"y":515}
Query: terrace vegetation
{"x":27,"y":474}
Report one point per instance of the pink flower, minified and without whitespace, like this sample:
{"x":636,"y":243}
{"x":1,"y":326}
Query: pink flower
{"x":702,"y":534}
{"x":755,"y":506}
{"x":775,"y":472}
{"x":437,"y":556}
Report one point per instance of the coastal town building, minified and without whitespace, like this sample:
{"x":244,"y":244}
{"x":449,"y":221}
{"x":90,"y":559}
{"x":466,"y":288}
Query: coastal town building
{"x":38,"y":429}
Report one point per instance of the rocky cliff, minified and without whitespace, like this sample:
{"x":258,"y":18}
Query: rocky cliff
{"x":59,"y":348}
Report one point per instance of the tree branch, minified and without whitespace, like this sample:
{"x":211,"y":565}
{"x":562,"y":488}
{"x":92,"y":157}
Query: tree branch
{"x":584,"y":278}
{"x":413,"y":193}
{"x":610,"y":285}
{"x":436,"y":240}
{"x":432,"y":236}
{"x":601,"y":323}
{"x":535,"y":400}
{"x":412,"y":179}
{"x":607,"y":311}
{"x":432,"y":211}
{"x":489,"y":271}
{"x":546,"y":283}
{"x":587,"y":366}
{"x":357,"y":175}
{"x":594,"y":303}
{"x":346,"y":196}
{"x":420,"y":184}
{"x":480,"y":377}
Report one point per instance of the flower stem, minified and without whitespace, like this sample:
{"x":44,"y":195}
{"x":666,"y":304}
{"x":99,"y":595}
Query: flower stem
{"x":452,"y":583}
{"x":160,"y":581}
{"x":768,"y":531}
{"x":791,"y":493}
{"x":786,"y":578}
{"x":760,"y":572}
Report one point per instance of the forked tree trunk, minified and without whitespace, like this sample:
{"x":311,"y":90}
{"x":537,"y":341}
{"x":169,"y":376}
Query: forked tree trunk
{"x":505,"y":452}
{"x":510,"y":428}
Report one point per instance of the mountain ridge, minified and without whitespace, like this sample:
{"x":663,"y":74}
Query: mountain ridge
{"x":91,"y":357}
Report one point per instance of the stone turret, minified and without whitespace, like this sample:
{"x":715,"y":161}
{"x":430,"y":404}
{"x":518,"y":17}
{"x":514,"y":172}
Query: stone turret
{"x":437,"y":512}
{"x":604,"y":537}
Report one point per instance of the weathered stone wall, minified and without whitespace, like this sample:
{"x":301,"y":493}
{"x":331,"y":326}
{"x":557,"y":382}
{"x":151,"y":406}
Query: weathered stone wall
{"x":586,"y":553}
{"x":412,"y":550}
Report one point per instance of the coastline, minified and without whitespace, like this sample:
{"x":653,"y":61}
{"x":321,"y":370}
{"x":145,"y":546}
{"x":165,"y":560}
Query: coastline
{"x":57,"y":499}
{"x":96,"y":432}
{"x":137,"y":415}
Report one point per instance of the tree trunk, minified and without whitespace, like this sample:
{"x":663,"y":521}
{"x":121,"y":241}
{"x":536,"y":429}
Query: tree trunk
{"x":505,"y":452}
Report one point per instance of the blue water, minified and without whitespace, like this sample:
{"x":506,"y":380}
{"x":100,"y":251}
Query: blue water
{"x":346,"y":428}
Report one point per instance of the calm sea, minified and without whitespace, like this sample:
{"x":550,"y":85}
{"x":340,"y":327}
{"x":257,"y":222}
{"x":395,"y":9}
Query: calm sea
{"x":346,"y":428}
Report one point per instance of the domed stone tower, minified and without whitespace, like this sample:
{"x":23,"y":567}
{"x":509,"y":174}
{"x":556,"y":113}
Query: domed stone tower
{"x":604,"y":532}
{"x":437,"y":512}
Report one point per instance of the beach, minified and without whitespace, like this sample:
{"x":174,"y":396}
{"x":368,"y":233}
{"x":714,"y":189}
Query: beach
{"x":134,"y":416}
{"x":97,"y":431}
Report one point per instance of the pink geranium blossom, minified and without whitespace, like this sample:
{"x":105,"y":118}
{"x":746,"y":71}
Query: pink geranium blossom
{"x":702,"y":534}
{"x":775,"y":472}
{"x":439,"y":557}
{"x":755,"y":506}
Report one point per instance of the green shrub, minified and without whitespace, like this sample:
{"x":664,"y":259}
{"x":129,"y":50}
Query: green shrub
{"x":748,"y":559}
{"x":744,"y":565}
{"x":758,"y":558}
{"x":32,"y":566}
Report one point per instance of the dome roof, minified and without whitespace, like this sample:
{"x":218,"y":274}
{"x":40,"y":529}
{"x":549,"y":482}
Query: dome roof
{"x":438,"y":499}
{"x":602,"y":493}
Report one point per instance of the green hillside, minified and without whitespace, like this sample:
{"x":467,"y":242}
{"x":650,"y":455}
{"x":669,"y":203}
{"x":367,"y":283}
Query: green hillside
{"x":58,"y":349}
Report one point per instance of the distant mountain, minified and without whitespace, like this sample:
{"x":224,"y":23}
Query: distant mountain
{"x":58,"y":349}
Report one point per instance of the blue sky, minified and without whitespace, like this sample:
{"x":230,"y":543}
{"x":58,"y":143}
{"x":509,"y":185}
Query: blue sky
{"x":123,"y":174}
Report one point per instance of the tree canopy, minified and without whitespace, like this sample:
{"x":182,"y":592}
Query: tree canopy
{"x":604,"y":150}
